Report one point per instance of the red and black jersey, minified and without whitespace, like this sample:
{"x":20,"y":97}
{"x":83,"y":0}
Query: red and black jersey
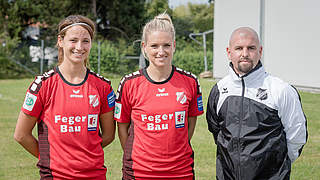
{"x":68,"y":124}
{"x":158,"y":145}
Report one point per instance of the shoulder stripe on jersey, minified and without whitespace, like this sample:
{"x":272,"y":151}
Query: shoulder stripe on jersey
{"x":189,"y":74}
{"x":99,"y":76}
{"x":124,"y":79}
{"x":37,"y":83}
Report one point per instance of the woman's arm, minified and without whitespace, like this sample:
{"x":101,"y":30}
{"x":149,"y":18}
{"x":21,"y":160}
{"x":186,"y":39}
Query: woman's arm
{"x":192,"y":121}
{"x":23,"y":133}
{"x":107,"y":125}
{"x":123,"y":133}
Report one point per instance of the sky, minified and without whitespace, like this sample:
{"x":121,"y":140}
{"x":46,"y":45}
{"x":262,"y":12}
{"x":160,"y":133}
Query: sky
{"x":175,"y":3}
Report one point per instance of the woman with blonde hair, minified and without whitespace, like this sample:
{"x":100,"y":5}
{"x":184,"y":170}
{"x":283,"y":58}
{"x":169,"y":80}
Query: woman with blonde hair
{"x":73,"y":108}
{"x":156,"y":109}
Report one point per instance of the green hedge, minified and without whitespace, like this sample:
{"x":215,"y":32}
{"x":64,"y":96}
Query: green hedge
{"x":188,"y":56}
{"x":113,"y":61}
{"x":192,"y":60}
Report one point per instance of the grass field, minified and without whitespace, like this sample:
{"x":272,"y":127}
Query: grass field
{"x":17,"y":164}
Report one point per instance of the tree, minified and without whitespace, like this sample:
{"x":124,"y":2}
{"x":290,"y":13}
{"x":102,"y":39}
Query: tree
{"x":120,"y":18}
{"x":155,"y":7}
{"x":202,"y":16}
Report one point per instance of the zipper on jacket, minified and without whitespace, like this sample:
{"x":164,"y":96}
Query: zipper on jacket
{"x":240,"y":126}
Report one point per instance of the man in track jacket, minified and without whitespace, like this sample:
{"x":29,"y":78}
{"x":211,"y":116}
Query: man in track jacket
{"x":256,"y":119}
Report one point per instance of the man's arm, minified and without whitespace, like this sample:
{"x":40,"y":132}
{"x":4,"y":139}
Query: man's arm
{"x":294,"y":121}
{"x":211,"y":114}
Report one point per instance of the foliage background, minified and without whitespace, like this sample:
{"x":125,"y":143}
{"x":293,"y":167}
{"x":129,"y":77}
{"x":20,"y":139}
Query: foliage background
{"x":119,"y":23}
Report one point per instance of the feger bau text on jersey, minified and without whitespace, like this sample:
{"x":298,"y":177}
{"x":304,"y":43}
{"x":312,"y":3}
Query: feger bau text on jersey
{"x":153,"y":121}
{"x":68,"y":123}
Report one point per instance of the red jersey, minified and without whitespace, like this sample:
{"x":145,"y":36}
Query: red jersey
{"x":158,"y":145}
{"x":68,"y":124}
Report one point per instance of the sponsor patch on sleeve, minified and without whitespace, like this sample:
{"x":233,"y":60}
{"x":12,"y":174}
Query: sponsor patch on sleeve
{"x":92,"y":122}
{"x":111,"y":99}
{"x":117,"y":110}
{"x":200,"y":103}
{"x":29,"y":101}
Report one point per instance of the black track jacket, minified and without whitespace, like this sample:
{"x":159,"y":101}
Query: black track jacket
{"x":258,"y":126}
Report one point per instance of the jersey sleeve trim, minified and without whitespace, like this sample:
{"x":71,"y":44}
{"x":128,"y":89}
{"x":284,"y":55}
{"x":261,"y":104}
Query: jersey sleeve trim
{"x":189,"y":74}
{"x":124,"y":80}
{"x":99,"y":76}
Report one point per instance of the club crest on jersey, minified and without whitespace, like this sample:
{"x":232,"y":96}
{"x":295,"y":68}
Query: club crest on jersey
{"x":92,"y":122}
{"x":181,"y":97}
{"x":29,"y":101}
{"x":161,"y":92}
{"x":93,"y":100}
{"x":262,"y":94}
{"x":180,"y":118}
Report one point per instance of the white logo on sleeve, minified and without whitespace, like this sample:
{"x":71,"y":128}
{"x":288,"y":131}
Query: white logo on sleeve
{"x":29,"y":101}
{"x":117,"y":110}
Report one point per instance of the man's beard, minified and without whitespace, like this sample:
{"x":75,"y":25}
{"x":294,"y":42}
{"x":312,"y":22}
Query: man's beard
{"x":245,"y":68}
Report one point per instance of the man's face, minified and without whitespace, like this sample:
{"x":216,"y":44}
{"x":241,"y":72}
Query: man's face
{"x":244,"y":51}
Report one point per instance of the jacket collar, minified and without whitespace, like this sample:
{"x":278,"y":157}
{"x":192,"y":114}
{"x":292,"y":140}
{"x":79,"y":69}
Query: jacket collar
{"x":251,"y":77}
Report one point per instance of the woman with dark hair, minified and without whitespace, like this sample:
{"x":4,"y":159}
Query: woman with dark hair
{"x":73,"y":108}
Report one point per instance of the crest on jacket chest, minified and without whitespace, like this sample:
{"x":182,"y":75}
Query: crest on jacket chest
{"x":262,"y":94}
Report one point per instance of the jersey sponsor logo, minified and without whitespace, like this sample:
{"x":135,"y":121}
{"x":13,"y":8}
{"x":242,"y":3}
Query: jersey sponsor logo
{"x":93,"y":100}
{"x":200,"y":103}
{"x":76,"y":94}
{"x":29,"y":101}
{"x":69,"y":124}
{"x":180,"y":118}
{"x":181,"y":97}
{"x":157,"y":122}
{"x":92,"y":122}
{"x":117,"y":110}
{"x":162,"y":92}
{"x":262,"y":94}
{"x":111,"y":99}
